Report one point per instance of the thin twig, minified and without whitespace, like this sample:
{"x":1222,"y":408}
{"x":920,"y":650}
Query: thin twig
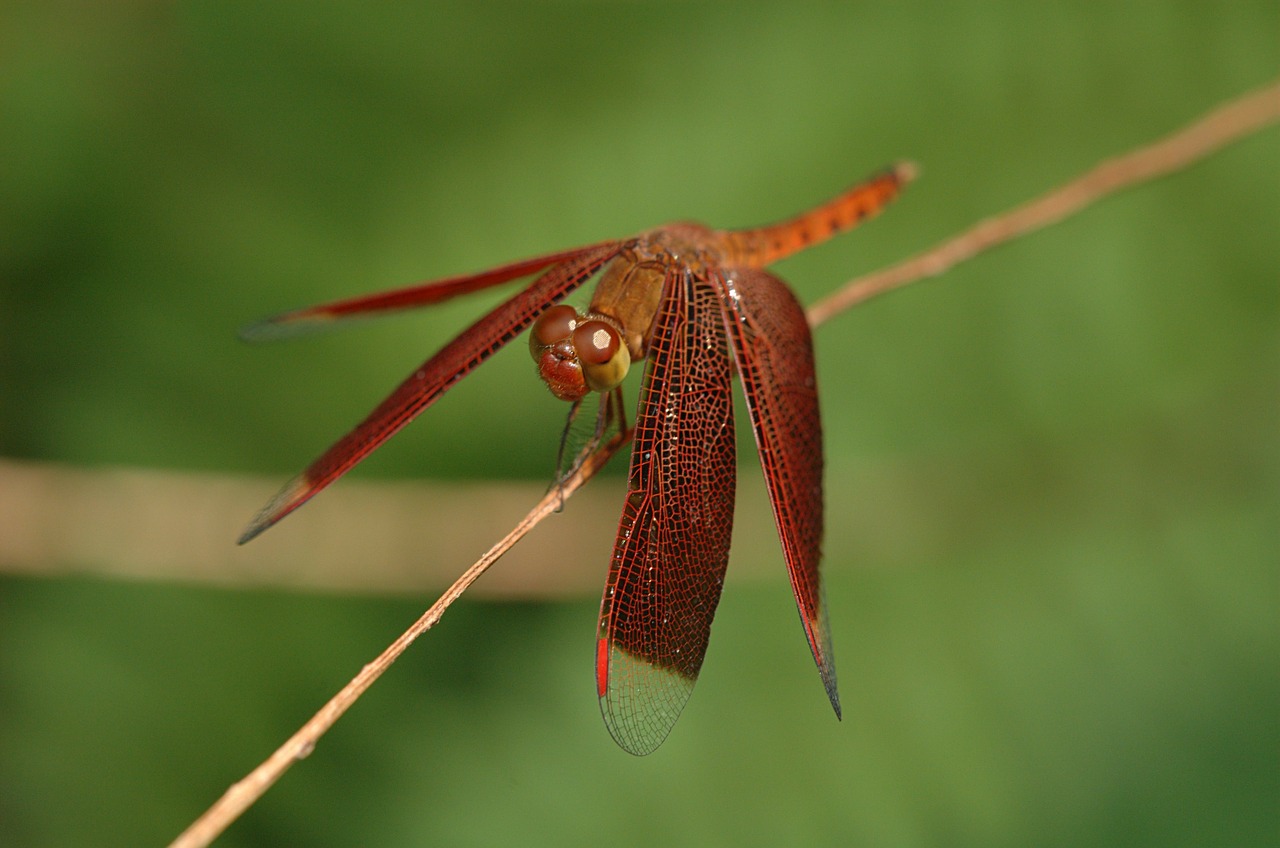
{"x":1225,"y":124}
{"x":243,"y":794}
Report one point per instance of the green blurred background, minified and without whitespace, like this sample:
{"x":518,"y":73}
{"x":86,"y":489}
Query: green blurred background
{"x":1053,"y":476}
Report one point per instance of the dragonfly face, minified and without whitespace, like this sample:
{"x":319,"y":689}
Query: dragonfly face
{"x":577,"y":353}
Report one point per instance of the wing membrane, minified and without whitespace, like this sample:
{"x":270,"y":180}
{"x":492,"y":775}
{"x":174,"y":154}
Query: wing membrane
{"x":435,"y":376}
{"x":424,"y":294}
{"x":774,"y":354}
{"x":672,"y":547}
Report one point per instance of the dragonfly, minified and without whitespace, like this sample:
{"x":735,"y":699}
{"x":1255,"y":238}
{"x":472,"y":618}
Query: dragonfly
{"x":696,"y":305}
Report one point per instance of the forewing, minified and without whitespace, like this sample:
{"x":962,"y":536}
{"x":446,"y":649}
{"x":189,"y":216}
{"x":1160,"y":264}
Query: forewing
{"x":673,"y":540}
{"x":454,"y":361}
{"x":324,"y":315}
{"x":774,"y":354}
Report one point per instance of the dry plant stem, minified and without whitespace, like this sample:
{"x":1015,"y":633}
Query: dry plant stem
{"x":1225,"y":124}
{"x":243,"y":794}
{"x":1229,"y":122}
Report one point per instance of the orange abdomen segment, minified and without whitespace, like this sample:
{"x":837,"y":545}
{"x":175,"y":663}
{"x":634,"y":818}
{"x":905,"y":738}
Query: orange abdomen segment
{"x":762,"y":246}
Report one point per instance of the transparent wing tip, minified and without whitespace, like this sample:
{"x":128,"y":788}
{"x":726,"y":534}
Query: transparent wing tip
{"x":286,"y":325}
{"x":289,"y":498}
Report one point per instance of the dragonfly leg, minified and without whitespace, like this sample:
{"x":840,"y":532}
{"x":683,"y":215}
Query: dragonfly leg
{"x":579,"y":441}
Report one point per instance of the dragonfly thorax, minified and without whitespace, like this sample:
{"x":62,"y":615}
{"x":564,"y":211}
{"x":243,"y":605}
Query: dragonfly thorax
{"x":586,"y":352}
{"x":630,"y":290}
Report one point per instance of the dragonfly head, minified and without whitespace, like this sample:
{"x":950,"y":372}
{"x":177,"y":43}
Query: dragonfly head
{"x":578,"y":353}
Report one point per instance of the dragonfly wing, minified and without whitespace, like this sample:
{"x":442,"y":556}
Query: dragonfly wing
{"x":311,"y":318}
{"x":774,"y":354}
{"x":435,"y":376}
{"x":673,"y":540}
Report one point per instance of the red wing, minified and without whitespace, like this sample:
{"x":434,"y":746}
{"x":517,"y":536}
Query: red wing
{"x":673,"y":540}
{"x":454,"y":361}
{"x":423,"y":294}
{"x":774,"y":354}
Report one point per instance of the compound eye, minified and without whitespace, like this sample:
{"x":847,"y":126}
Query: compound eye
{"x":554,"y":325}
{"x":596,"y":342}
{"x":604,"y":357}
{"x":551,"y":345}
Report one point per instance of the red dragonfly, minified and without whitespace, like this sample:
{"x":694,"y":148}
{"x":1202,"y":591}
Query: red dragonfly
{"x":697,"y":304}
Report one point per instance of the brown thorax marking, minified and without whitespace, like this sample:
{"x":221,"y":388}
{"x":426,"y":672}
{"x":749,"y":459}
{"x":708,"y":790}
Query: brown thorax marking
{"x":630,"y":288}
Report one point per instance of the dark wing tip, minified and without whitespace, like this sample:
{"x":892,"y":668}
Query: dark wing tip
{"x":834,"y":696}
{"x":819,"y":633}
{"x":285,"y":325}
{"x":290,"y":497}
